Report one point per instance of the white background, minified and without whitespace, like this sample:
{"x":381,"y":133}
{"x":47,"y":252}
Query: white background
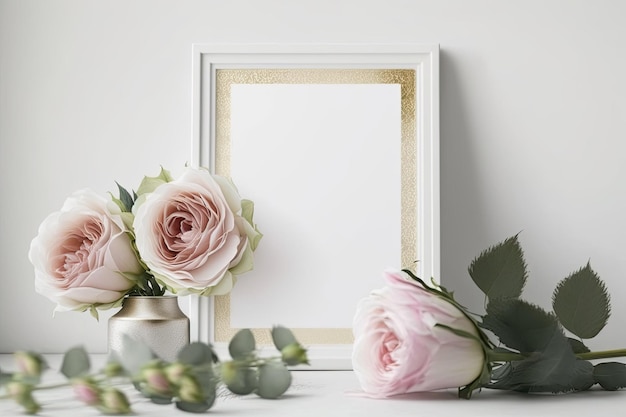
{"x":533,"y":121}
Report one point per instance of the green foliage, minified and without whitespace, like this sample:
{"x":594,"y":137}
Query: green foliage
{"x":190,"y":407}
{"x":134,"y":354}
{"x":582,"y":303}
{"x":75,"y":363}
{"x":610,"y":375}
{"x":197,"y":354}
{"x":125,"y":199}
{"x":274,"y":379}
{"x":500,"y":271}
{"x":244,"y":381}
{"x":577,"y":346}
{"x":533,"y":353}
{"x":521,"y":325}
{"x":149,"y":184}
{"x":282,"y":337}
{"x":242,"y":345}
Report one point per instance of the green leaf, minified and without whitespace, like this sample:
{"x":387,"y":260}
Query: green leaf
{"x":194,"y":407}
{"x":160,"y":399}
{"x":245,"y":381}
{"x":149,"y":184}
{"x":134,"y":354}
{"x":583,"y":376}
{"x":282,"y":337}
{"x":610,"y":375}
{"x":500,"y":271}
{"x":75,"y":363}
{"x":521,"y":325}
{"x":554,"y":369}
{"x":274,"y":380}
{"x":207,"y":382}
{"x":582,"y":303}
{"x":578,"y":346}
{"x":197,"y":354}
{"x":125,"y":198}
{"x":242,"y":344}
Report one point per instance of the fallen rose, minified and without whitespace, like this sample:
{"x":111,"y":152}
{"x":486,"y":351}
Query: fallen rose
{"x":82,"y":254}
{"x":404,"y":343}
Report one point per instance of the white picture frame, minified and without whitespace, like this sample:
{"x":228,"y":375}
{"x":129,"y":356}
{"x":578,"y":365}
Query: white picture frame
{"x":230,"y":83}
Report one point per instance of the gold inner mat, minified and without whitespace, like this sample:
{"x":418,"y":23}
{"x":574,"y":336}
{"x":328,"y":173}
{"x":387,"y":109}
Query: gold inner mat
{"x":225,"y":78}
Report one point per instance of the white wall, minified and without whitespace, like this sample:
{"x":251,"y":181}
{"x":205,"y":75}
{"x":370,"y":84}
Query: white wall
{"x":533,"y":120}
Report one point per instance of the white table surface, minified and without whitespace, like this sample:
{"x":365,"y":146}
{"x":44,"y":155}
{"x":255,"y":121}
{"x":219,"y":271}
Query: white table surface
{"x":332,"y":393}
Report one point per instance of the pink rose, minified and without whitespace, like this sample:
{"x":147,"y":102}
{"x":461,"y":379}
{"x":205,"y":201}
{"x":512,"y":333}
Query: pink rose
{"x":82,"y":254}
{"x":398,"y":348}
{"x":193,"y":235}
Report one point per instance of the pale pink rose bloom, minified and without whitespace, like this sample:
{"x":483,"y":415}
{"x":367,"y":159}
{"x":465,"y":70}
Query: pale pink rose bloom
{"x":190,"y":233}
{"x":398,"y":349}
{"x":82,"y":252}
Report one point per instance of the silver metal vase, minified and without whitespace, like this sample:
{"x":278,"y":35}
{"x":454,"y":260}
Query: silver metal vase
{"x":156,"y":320}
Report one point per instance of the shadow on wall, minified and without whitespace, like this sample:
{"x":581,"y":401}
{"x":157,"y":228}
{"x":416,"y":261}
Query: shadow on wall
{"x":463,"y":212}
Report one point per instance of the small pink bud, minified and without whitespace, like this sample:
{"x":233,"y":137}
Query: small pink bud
{"x":156,"y":381}
{"x":114,"y":401}
{"x":189,"y":390}
{"x":29,"y":363}
{"x":175,"y":371}
{"x":22,"y":393}
{"x":86,"y":391}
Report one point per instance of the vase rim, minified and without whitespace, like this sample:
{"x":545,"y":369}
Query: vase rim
{"x":150,"y":296}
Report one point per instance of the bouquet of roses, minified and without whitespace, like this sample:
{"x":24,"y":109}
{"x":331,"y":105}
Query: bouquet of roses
{"x":193,"y":234}
{"x":412,"y":337}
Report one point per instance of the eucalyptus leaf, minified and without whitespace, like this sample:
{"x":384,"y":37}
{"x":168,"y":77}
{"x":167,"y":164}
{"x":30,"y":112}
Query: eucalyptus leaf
{"x":75,"y":363}
{"x":282,"y":337}
{"x":582,"y":303}
{"x":245,"y":381}
{"x":134,"y":354}
{"x":242,"y":344}
{"x":160,"y":399}
{"x":500,"y":271}
{"x":521,"y":325}
{"x":197,"y":353}
{"x":274,"y":380}
{"x":190,"y":407}
{"x":610,"y":375}
{"x":207,"y":382}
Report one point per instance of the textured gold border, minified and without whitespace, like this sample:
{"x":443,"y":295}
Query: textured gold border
{"x":225,"y":78}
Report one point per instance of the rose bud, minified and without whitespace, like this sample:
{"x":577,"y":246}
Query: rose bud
{"x":156,"y":380}
{"x":22,"y":393}
{"x":401,"y":345}
{"x":294,"y":354}
{"x":189,"y":390}
{"x":30,"y":364}
{"x":175,"y":371}
{"x":87,"y":391}
{"x":114,"y":401}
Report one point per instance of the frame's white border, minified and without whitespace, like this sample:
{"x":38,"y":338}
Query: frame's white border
{"x":423,"y":58}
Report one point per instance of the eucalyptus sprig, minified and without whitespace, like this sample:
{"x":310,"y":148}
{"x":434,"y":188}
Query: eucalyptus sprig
{"x":190,"y":382}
